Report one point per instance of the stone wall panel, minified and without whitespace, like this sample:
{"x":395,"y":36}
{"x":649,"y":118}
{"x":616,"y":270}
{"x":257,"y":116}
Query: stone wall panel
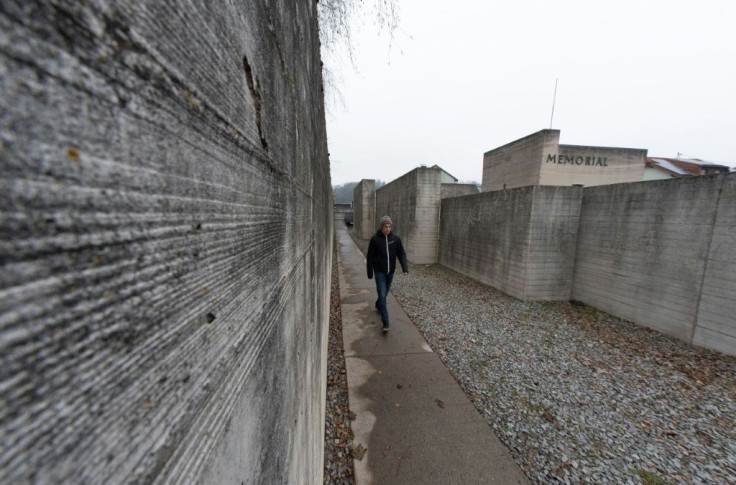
{"x":165,"y":293}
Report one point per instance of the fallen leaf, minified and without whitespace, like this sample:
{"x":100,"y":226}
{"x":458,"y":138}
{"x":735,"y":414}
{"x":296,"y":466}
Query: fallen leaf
{"x":73,"y":154}
{"x":352,"y":416}
{"x":358,"y":452}
{"x":440,"y":403}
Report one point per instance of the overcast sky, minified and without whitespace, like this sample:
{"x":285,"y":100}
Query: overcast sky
{"x":466,"y":76}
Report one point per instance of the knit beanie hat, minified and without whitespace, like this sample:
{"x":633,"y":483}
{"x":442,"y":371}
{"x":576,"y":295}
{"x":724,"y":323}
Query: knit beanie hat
{"x":386,"y":220}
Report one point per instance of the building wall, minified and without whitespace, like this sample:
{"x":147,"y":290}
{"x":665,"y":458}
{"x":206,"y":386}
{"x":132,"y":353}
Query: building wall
{"x":521,"y":241}
{"x":446,"y":178}
{"x":652,"y":173}
{"x":454,"y":190}
{"x":716,"y":327}
{"x":518,"y":163}
{"x":166,"y":243}
{"x":644,"y":252}
{"x":413,"y":202}
{"x":590,"y":166}
{"x":364,"y":208}
{"x":398,"y":199}
{"x":485,"y":237}
{"x":553,"y":234}
{"x":341,"y":212}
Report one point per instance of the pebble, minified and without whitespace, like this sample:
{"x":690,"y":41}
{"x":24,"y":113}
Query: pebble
{"x":620,"y":399}
{"x":338,"y":467}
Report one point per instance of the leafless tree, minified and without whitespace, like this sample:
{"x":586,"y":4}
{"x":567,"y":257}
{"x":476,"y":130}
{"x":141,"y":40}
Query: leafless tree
{"x":337,"y":21}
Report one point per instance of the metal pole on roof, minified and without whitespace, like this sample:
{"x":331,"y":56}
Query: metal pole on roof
{"x":554,"y":98}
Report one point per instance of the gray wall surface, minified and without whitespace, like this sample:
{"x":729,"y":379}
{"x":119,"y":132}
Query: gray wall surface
{"x":521,"y":241}
{"x":660,"y":253}
{"x":518,"y":164}
{"x":455,"y":190}
{"x":413,"y":202}
{"x":364,"y":208}
{"x":165,"y":241}
{"x":716,"y":321}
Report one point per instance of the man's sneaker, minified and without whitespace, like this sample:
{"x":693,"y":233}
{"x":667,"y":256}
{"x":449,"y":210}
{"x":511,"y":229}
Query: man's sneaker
{"x":385,"y":327}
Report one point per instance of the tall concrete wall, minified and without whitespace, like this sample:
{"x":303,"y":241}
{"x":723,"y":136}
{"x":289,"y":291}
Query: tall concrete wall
{"x":413,"y":202}
{"x":165,"y":242}
{"x":518,"y":164}
{"x":716,"y":319}
{"x":591,"y":166}
{"x":660,"y":253}
{"x":520,"y":241}
{"x":364,"y":208}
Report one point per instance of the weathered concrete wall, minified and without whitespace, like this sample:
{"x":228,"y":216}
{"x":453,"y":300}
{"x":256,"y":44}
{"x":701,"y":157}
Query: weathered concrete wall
{"x":518,"y":164}
{"x":165,"y":242}
{"x":591,"y":166}
{"x":553,"y":234}
{"x":660,"y":253}
{"x":485,"y":237}
{"x":520,"y":241}
{"x":455,"y":190}
{"x":413,"y":202}
{"x":716,"y":320}
{"x":364,"y":208}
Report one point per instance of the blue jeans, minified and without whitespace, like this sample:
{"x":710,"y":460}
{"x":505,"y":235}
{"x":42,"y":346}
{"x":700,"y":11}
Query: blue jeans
{"x":383,"y":286}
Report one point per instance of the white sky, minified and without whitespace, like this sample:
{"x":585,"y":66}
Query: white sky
{"x":466,"y":76}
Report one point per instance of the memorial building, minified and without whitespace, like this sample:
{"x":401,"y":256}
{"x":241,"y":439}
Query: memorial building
{"x":539,"y":159}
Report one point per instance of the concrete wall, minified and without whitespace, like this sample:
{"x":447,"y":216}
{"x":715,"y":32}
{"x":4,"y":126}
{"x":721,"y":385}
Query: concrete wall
{"x":660,"y":253}
{"x":455,"y":190}
{"x":590,"y":166}
{"x":166,"y":235}
{"x":520,"y":241}
{"x":413,"y":202}
{"x":364,"y":208}
{"x":716,"y":319}
{"x":518,"y":164}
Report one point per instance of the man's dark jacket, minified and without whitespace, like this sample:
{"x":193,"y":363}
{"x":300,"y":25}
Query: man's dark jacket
{"x":382,"y":253}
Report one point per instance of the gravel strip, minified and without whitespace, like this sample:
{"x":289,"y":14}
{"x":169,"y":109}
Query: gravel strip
{"x":578,"y":395}
{"x":338,"y":435}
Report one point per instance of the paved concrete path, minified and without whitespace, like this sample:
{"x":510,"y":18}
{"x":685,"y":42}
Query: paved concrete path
{"x":416,"y":423}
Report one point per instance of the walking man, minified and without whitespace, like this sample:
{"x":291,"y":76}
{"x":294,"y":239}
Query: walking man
{"x":383,"y":249}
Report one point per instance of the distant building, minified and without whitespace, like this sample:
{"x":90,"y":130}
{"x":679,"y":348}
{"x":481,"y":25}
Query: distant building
{"x":445,"y":177}
{"x":664,"y":168}
{"x":539,"y":159}
{"x":339,"y":211}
